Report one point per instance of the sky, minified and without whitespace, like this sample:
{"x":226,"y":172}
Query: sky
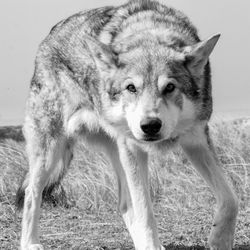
{"x":24,"y":24}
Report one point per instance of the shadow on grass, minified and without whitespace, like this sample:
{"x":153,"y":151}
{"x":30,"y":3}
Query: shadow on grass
{"x":180,"y":247}
{"x":197,"y":247}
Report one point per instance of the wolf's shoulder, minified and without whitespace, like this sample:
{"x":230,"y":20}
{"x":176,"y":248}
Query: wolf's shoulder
{"x":91,"y":21}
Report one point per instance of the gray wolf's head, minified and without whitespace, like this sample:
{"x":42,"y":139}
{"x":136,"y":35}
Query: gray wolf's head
{"x":154,"y":92}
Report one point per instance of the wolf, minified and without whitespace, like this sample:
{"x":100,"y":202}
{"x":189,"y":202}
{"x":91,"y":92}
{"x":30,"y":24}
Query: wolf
{"x":130,"y":80}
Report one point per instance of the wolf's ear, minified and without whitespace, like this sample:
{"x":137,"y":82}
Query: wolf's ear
{"x":196,"y":56}
{"x":104,"y":58}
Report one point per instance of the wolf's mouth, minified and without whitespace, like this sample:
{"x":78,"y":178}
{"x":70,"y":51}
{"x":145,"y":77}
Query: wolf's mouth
{"x":160,"y":139}
{"x":152,"y":138}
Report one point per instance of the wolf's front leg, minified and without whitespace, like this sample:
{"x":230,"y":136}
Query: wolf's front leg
{"x":199,"y":148}
{"x":138,"y":212}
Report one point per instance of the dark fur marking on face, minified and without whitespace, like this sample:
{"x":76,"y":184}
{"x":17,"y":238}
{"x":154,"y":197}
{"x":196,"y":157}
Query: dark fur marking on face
{"x":178,"y":100}
{"x":149,"y":67}
{"x":120,"y":64}
{"x":183,"y":77}
{"x":193,"y":92}
{"x":114,"y":94}
{"x":112,"y":91}
{"x":201,"y":91}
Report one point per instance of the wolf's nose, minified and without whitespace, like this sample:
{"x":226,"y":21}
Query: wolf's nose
{"x":151,"y":126}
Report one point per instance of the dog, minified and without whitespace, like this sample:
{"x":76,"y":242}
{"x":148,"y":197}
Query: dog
{"x":129,"y":79}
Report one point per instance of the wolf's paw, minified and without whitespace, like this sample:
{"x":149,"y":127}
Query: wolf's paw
{"x":33,"y":247}
{"x":220,"y":239}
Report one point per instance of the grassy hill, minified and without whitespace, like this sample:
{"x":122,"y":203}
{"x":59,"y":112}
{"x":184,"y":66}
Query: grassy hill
{"x":83,"y":212}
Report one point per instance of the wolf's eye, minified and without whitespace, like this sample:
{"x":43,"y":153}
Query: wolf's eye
{"x":131,"y":88}
{"x":169,"y":89}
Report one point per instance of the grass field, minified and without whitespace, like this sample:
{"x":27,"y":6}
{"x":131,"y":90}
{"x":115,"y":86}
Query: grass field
{"x":83,"y":212}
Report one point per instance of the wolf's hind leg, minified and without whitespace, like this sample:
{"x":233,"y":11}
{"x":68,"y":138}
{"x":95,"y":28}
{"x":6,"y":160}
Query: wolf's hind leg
{"x":200,"y":150}
{"x":47,"y":160}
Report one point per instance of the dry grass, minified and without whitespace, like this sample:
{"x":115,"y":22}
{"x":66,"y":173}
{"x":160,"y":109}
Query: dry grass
{"x":88,"y":219}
